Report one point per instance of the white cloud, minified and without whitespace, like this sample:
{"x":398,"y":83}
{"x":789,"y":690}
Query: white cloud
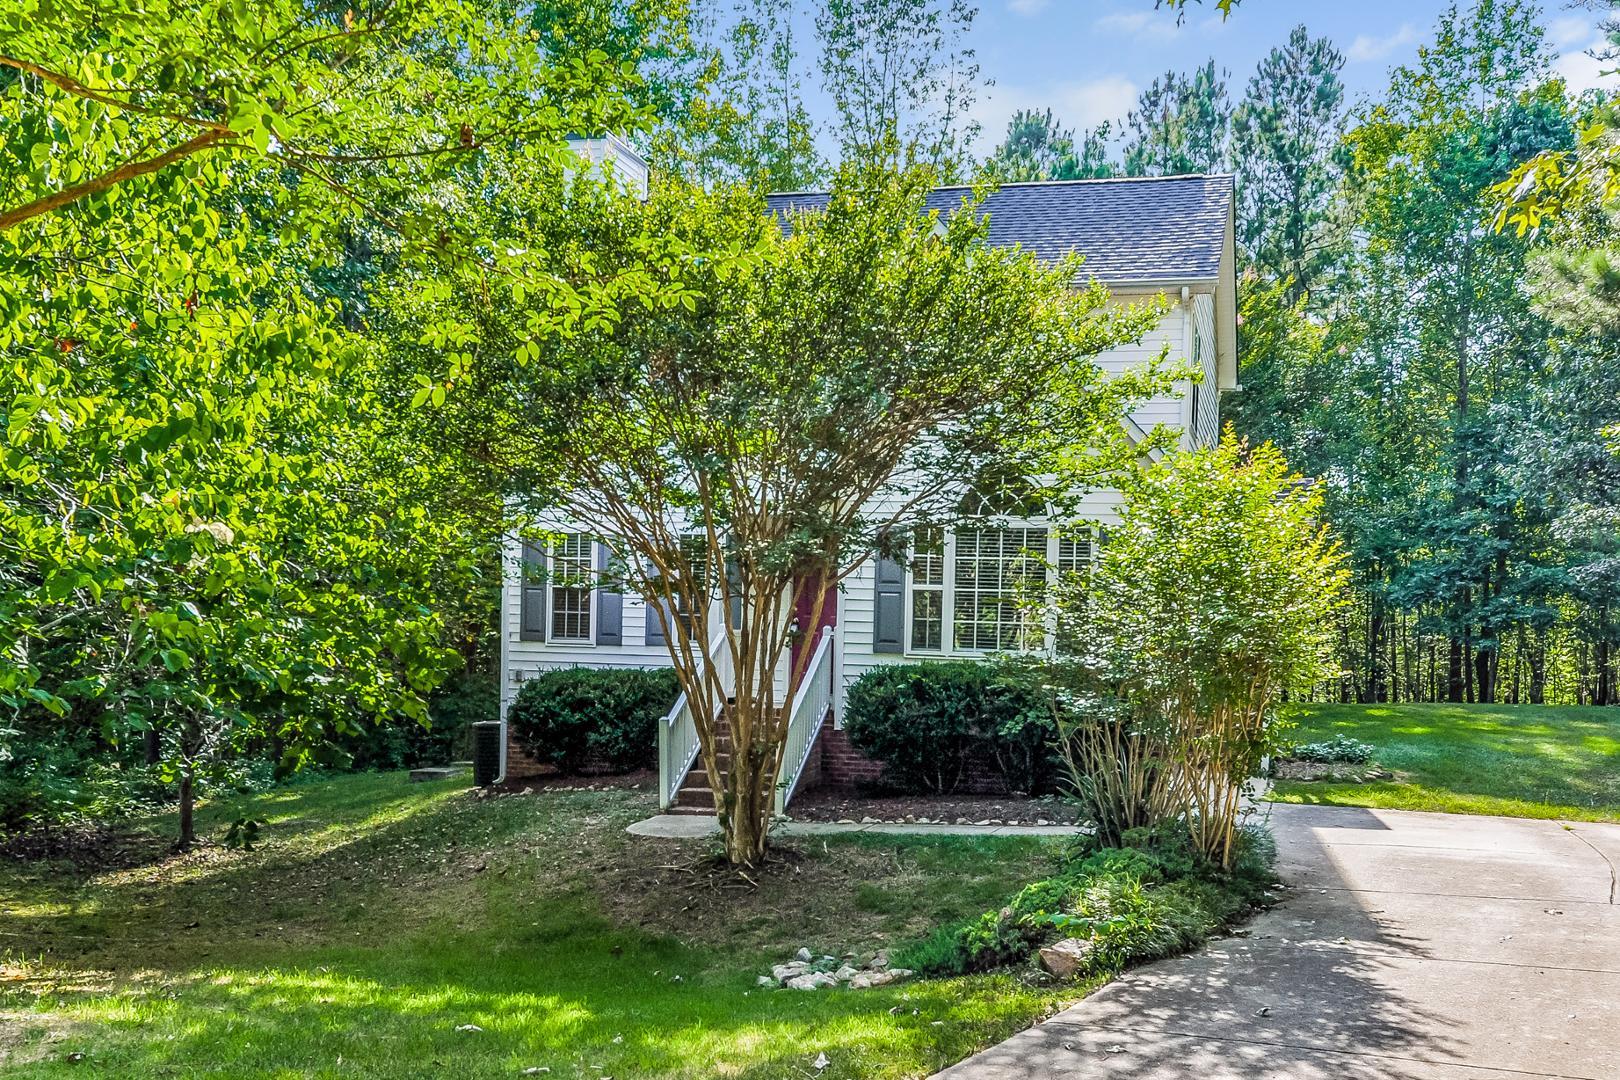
{"x":1075,"y":103}
{"x":1366,"y":47}
{"x":1028,"y":7}
{"x":1570,"y":31}
{"x":1574,"y":37}
{"x":1138,"y":24}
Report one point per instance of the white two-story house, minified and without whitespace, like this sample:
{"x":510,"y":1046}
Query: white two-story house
{"x":955,"y":596}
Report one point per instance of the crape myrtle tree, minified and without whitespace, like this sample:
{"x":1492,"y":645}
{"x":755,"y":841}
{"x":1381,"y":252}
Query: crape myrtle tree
{"x":800,"y":397}
{"x":1212,"y":600}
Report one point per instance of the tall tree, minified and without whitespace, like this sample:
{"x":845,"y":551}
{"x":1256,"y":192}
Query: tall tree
{"x":1285,"y":141}
{"x":1455,"y":335}
{"x":1179,"y":125}
{"x":1037,"y":147}
{"x":752,"y":123}
{"x":903,"y":80}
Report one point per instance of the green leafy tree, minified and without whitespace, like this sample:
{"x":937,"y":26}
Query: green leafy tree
{"x":1179,"y":125}
{"x":1451,"y":331}
{"x":1168,"y":701}
{"x":902,"y":80}
{"x":1038,"y":148}
{"x":753,"y":124}
{"x":101,"y":93}
{"x":1285,"y":136}
{"x":802,"y":398}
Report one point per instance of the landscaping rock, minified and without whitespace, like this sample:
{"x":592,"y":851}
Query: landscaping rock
{"x":803,"y":955}
{"x":783,"y":972}
{"x":1065,"y":959}
{"x":880,"y":962}
{"x":846,"y":973}
{"x":814,"y":980}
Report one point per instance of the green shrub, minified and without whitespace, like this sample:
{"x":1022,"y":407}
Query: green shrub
{"x":1132,"y":904}
{"x":926,"y":722}
{"x":574,"y":717}
{"x":1341,"y":749}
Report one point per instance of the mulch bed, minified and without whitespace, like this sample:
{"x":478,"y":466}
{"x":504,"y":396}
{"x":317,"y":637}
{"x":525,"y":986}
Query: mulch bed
{"x":548,"y":778}
{"x":833,"y":804}
{"x":1332,"y":771}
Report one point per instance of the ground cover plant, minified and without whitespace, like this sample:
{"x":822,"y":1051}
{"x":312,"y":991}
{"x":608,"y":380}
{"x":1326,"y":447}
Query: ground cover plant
{"x":566,"y":943}
{"x":1153,"y":898}
{"x":1538,"y":761}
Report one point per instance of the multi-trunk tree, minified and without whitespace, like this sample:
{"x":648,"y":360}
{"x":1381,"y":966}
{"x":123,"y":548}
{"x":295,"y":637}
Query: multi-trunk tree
{"x":803,"y":397}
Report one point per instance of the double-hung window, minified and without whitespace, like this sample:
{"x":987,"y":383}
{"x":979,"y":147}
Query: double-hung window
{"x":572,"y":578}
{"x":977,"y":589}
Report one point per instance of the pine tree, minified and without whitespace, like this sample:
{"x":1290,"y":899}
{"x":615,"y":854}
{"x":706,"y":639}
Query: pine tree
{"x":1179,"y":125}
{"x":1038,"y":148}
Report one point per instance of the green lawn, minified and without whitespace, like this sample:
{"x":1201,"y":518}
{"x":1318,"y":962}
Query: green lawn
{"x":379,"y":916}
{"x":1537,"y":761}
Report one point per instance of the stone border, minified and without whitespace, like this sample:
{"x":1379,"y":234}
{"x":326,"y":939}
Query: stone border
{"x":690,"y":826}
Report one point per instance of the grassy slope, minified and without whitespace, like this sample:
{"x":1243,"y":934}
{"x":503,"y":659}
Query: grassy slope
{"x":378,"y":916}
{"x":1517,"y":761}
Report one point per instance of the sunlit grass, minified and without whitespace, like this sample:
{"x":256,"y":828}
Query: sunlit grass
{"x":380,"y":917}
{"x":1514,"y":761}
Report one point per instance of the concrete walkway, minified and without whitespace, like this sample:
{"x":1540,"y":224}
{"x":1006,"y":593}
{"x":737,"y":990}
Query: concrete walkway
{"x":688,"y":826}
{"x":1411,"y":947}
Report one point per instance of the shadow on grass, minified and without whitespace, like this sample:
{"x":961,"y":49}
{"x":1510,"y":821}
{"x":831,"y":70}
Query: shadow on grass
{"x":380,"y":917}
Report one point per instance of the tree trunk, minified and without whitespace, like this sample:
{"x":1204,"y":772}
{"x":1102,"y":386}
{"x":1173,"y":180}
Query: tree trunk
{"x":188,"y":830}
{"x":1454,"y":671}
{"x":1538,"y":668}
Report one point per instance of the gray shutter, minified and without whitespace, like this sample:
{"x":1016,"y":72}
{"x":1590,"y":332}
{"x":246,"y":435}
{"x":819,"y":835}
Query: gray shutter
{"x":532,"y":592}
{"x":609,"y":604}
{"x":658,"y":620}
{"x":889,"y":613}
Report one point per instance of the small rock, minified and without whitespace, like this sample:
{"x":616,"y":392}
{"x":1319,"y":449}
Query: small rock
{"x":880,"y":962}
{"x":468,"y":1027}
{"x":803,"y":955}
{"x":868,"y":820}
{"x":986,"y":821}
{"x":783,"y":972}
{"x":814,"y":980}
{"x":846,"y":973}
{"x":821,"y":1062}
{"x":1042,"y":821}
{"x":1065,"y":959}
{"x":765,"y":980}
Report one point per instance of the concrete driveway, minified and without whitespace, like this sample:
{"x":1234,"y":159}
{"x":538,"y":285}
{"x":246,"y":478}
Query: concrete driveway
{"x":1411,"y":947}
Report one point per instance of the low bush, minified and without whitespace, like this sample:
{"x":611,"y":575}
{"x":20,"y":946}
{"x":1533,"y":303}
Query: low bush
{"x":576,"y":718}
{"x":927,"y":723}
{"x":1341,"y":749}
{"x":1131,"y":904}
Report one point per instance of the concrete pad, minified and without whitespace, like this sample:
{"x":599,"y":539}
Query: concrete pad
{"x":1057,"y":1051}
{"x":1419,"y":946}
{"x":676,"y":826}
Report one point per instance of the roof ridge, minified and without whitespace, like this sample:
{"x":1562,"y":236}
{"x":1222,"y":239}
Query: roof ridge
{"x":1040,"y":183}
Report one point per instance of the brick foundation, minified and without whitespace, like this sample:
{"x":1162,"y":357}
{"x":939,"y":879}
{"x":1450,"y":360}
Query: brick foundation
{"x":835,"y":763}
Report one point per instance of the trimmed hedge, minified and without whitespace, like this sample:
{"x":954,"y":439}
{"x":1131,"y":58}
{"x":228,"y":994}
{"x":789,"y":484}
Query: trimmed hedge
{"x":598,"y":717}
{"x":927,"y":722}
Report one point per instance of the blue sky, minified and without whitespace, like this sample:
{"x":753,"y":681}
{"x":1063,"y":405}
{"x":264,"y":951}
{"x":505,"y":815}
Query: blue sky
{"x":1087,"y":59}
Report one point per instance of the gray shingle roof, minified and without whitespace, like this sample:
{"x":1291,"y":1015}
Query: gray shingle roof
{"x":1140,"y":229}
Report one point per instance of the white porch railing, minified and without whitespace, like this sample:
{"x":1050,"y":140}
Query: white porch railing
{"x":809,"y":712}
{"x":678,"y":744}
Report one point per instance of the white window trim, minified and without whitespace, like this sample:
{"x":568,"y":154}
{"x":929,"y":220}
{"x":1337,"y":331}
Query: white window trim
{"x":947,"y":589}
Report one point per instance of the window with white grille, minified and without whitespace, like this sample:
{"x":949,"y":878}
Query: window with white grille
{"x":571,"y":580}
